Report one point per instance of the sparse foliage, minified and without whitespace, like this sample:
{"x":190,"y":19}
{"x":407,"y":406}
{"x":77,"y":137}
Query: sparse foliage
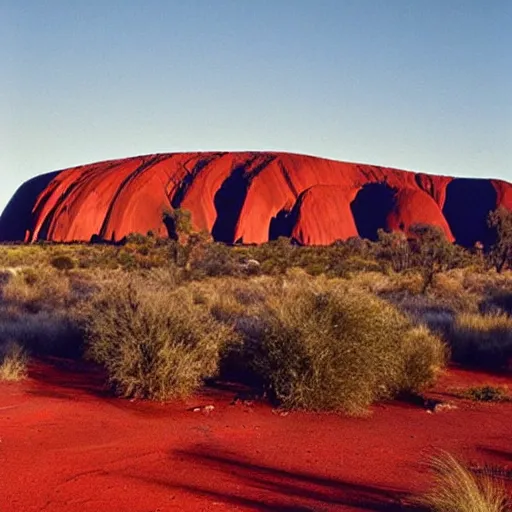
{"x":432,"y":251}
{"x":395,"y":248}
{"x":178,"y":222}
{"x":500,"y":254}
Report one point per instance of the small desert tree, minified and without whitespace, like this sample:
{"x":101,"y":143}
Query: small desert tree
{"x":178,"y":222}
{"x":500,"y":255}
{"x":433,"y":253}
{"x":188,"y":243}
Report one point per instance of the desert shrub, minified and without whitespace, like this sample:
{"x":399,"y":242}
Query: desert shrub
{"x":153,"y":345}
{"x":126,"y":259}
{"x":438,"y":319}
{"x":463,"y":258}
{"x":357,"y":247}
{"x":163,"y":279}
{"x":229,"y":298}
{"x":489,"y":286}
{"x":215,"y":259}
{"x":395,"y":248}
{"x":276,"y":256}
{"x":485,"y":393}
{"x":424,"y":357}
{"x":62,"y":262}
{"x":13,"y":362}
{"x":15,"y":255}
{"x":274,"y":266}
{"x":138,"y":240}
{"x":320,"y":347}
{"x":482,"y":340}
{"x":448,"y":290}
{"x":432,"y":252}
{"x":500,"y":254}
{"x":315,"y":269}
{"x":179,"y":254}
{"x":457,"y":489}
{"x":410,"y":281}
{"x":178,"y":222}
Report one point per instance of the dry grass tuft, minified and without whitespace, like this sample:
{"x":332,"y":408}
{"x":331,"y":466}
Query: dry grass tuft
{"x":456,"y":489}
{"x":482,"y":340}
{"x":38,"y":289}
{"x":449,"y":290}
{"x":13,"y":362}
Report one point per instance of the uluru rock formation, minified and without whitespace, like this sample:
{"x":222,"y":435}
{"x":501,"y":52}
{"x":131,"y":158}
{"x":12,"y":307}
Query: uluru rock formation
{"x":247,"y":197}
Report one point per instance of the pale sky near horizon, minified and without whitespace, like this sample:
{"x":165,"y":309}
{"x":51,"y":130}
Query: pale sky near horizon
{"x":424,"y":85}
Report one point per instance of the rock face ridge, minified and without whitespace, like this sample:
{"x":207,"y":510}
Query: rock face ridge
{"x":247,"y":197}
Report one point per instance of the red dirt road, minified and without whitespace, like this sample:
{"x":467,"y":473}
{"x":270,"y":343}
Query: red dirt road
{"x":67,"y":446}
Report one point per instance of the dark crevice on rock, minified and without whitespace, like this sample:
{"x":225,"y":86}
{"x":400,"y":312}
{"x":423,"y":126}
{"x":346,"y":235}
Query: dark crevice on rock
{"x":467,"y":206}
{"x":371,"y":207}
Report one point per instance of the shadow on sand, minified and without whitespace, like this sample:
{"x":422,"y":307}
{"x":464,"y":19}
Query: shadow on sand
{"x":239,"y":482}
{"x":56,"y":377}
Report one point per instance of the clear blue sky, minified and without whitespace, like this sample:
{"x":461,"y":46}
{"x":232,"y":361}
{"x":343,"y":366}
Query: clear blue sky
{"x":417,"y":84}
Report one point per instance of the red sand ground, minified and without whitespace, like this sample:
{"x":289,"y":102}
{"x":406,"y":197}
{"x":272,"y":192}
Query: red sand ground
{"x":66,"y":445}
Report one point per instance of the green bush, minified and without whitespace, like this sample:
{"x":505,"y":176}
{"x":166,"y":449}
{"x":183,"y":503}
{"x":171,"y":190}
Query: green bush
{"x":153,"y":344}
